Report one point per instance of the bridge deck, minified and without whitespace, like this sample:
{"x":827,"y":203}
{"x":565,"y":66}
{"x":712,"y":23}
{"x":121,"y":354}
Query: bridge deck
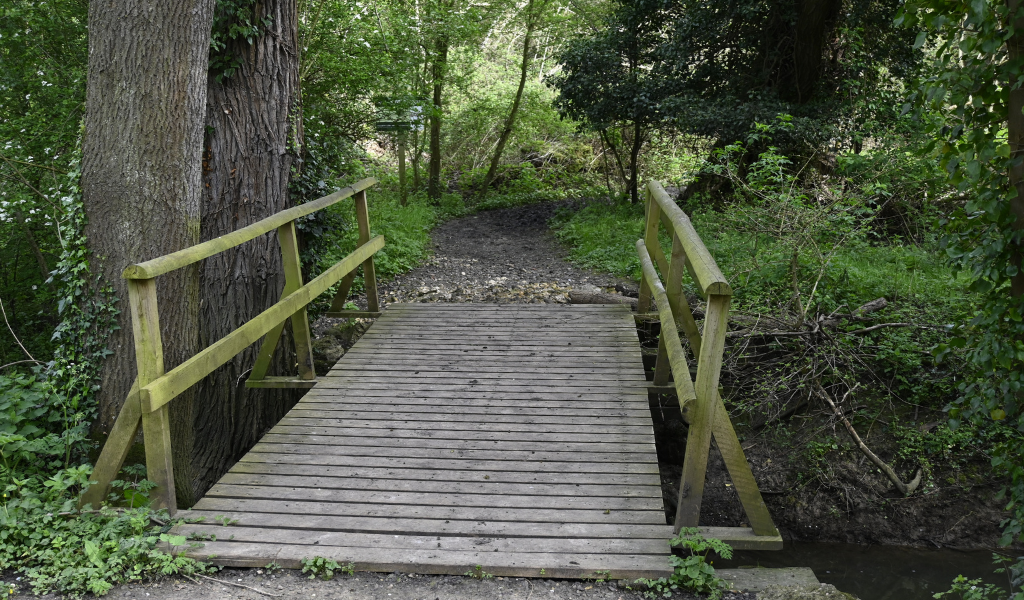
{"x":516,"y":438}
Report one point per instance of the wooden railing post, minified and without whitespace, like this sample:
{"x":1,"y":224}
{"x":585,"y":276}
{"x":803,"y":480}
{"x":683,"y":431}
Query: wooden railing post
{"x":156,"y":425}
{"x":702,"y":413}
{"x":651,"y":220}
{"x":369,"y":272}
{"x":293,"y":281}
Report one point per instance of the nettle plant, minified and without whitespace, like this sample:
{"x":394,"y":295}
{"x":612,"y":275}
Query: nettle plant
{"x":693,"y":573}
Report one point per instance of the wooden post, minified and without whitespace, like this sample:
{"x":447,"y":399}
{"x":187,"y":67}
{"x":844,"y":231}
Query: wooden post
{"x":369,"y":274}
{"x":702,"y":413}
{"x":115,"y":450}
{"x":403,"y":191}
{"x":651,"y":221}
{"x":149,"y":359}
{"x":293,"y":281}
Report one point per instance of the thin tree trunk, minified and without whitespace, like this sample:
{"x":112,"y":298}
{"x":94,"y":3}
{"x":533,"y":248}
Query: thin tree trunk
{"x":506,"y":131}
{"x":254,"y":124}
{"x":634,"y":163}
{"x":44,"y":269}
{"x":438,"y":68}
{"x":1015,"y":130}
{"x":141,"y":178}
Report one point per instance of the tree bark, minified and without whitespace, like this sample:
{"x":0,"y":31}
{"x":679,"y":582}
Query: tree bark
{"x":813,"y":23}
{"x":634,"y":162}
{"x":1015,"y":131}
{"x":506,"y":131}
{"x":254,"y":136}
{"x":141,"y":178}
{"x":437,"y":71}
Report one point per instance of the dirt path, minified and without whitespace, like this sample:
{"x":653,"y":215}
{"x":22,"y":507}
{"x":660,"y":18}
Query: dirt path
{"x":505,"y":255}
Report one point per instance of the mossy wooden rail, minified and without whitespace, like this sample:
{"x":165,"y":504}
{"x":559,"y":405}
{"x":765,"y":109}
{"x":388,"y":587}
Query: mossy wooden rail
{"x":700,"y":401}
{"x":147,"y":402}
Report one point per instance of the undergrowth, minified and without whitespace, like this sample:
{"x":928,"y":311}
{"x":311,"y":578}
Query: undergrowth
{"x":692,"y":573}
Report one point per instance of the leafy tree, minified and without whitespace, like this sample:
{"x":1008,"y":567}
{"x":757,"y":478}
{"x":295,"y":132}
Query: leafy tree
{"x":614,"y":82}
{"x":975,"y":89}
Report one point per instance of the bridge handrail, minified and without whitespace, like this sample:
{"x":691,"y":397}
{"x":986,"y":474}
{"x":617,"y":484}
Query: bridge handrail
{"x":193,"y":254}
{"x":154,"y":389}
{"x":700,"y":402}
{"x":700,"y":263}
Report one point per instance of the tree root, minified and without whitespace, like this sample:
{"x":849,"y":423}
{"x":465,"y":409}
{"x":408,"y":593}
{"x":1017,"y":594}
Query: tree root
{"x":905,"y":488}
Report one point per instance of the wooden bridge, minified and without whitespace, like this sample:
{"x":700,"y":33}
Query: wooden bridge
{"x":463,"y":438}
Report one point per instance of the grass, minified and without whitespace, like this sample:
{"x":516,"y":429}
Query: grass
{"x":603,"y":237}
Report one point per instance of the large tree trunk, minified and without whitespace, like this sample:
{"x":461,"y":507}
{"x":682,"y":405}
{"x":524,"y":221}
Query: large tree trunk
{"x":438,"y":68}
{"x":506,"y":131}
{"x":1015,"y":129}
{"x":254,"y":136}
{"x":141,"y":179}
{"x":813,"y":25}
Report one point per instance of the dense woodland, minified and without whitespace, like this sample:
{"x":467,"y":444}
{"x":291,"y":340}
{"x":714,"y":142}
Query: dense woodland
{"x":830,"y":153}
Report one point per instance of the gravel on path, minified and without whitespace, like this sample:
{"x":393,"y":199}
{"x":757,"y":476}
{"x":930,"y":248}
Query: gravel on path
{"x":503,"y":256}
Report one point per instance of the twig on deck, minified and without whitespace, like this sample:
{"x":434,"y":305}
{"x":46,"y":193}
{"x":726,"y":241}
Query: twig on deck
{"x":239,"y":585}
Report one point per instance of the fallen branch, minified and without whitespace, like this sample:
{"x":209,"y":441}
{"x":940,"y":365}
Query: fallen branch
{"x":582,"y":297}
{"x":905,"y":488}
{"x":239,"y":585}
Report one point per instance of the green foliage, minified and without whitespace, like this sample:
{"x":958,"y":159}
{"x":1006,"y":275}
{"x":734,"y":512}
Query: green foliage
{"x":234,"y":22}
{"x":973,"y":589}
{"x":692,"y":573}
{"x":325,"y":568}
{"x":36,"y":435}
{"x":966,"y":100}
{"x":478,"y":573}
{"x":59,"y":549}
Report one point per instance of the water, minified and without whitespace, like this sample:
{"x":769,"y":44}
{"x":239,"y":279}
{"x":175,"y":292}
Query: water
{"x":878,"y":572}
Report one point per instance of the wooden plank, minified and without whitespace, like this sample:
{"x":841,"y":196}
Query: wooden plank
{"x":115,"y":450}
{"x":323,"y":401}
{"x":279,"y":514}
{"x":450,"y":444}
{"x":194,"y":254}
{"x":483,"y":378}
{"x":372,"y":540}
{"x":352,"y":314}
{"x":328,"y":394}
{"x":617,"y":566}
{"x":462,"y":426}
{"x":702,"y":412}
{"x":743,"y":538}
{"x":149,"y":360}
{"x":481,"y":385}
{"x":398,"y":476}
{"x":479,"y":486}
{"x":163,"y":390}
{"x":376,"y":502}
{"x":444,"y":454}
{"x":706,"y":271}
{"x":281,"y":383}
{"x":538,"y":367}
{"x":467,"y":464}
{"x":636,"y":411}
{"x":402,"y":417}
{"x":465,"y":434}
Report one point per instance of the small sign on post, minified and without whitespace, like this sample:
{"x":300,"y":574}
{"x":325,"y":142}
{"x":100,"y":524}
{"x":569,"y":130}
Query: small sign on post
{"x":401,"y":127}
